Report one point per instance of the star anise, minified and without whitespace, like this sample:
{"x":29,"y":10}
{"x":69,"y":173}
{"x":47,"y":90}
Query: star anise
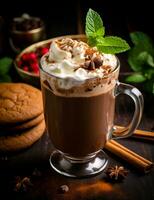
{"x":117,"y":172}
{"x":22,"y":184}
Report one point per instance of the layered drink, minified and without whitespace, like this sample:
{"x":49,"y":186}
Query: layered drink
{"x":78,"y":86}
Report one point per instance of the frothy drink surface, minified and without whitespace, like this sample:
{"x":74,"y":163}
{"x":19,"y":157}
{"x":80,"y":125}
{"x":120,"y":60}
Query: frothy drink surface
{"x":78,"y":94}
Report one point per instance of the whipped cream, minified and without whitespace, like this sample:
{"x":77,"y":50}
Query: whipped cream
{"x":74,"y":62}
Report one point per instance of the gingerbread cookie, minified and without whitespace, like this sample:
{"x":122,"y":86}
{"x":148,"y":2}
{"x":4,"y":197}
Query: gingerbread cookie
{"x":24,"y":140}
{"x":22,"y":126}
{"x":19,"y":102}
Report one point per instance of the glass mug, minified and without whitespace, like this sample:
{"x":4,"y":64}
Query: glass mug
{"x":80,"y":123}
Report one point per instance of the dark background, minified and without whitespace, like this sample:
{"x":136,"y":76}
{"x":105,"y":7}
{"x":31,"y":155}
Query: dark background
{"x":63,"y":17}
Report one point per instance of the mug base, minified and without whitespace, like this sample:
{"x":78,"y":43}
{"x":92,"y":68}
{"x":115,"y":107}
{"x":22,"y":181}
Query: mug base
{"x":64,"y":166}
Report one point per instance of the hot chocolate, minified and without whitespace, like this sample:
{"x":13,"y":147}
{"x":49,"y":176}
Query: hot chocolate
{"x":78,"y":91}
{"x":78,"y":126}
{"x":79,"y":86}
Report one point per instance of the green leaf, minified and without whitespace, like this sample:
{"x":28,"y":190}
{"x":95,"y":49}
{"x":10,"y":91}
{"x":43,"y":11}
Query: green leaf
{"x":135,"y":63}
{"x":145,"y":59}
{"x":137,"y":37}
{"x":143,"y":40}
{"x":5,"y":65}
{"x":112,"y":45}
{"x":92,"y":41}
{"x":141,"y":60}
{"x":135,"y":78}
{"x":95,"y":32}
{"x":149,"y":86}
{"x":94,"y":24}
{"x":5,"y":78}
{"x":149,"y":73}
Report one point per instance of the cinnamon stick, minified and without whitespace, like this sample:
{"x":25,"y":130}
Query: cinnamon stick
{"x":136,"y":160}
{"x":141,"y":134}
{"x":144,"y":135}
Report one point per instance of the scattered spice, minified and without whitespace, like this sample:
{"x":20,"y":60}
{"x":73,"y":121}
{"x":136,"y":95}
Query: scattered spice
{"x":98,"y":187}
{"x":66,"y":48}
{"x":107,"y":69}
{"x":117,"y":172}
{"x":89,"y":52}
{"x":63,"y":189}
{"x":36,"y":173}
{"x":22,"y":184}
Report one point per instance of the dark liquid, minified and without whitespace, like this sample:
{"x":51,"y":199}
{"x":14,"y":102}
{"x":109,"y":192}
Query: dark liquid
{"x":78,"y":126}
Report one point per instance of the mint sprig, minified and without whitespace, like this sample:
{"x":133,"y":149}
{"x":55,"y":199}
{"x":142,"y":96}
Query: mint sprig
{"x":136,"y":78}
{"x":111,"y":45}
{"x":95,"y":32}
{"x":5,"y":66}
{"x":142,"y":41}
{"x":141,"y":60}
{"x":94,"y":24}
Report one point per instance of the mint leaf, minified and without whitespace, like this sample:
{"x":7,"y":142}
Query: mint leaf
{"x":143,"y":41}
{"x":138,"y":60}
{"x":135,"y":78}
{"x":149,"y":73}
{"x":92,"y":41}
{"x":5,"y":78}
{"x":138,"y":37}
{"x":95,"y":32}
{"x":145,"y":59}
{"x":149,"y":86}
{"x":94,"y":24}
{"x":141,"y":60}
{"x":5,"y":65}
{"x":135,"y":63}
{"x":112,"y":45}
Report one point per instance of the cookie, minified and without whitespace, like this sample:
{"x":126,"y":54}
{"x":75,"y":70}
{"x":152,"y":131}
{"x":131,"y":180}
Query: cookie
{"x":24,"y":140}
{"x":19,"y":102}
{"x":22,"y":126}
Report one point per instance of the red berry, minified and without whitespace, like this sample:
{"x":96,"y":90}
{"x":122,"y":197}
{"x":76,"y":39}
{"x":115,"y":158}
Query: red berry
{"x":32,"y":56}
{"x":44,"y":50}
{"x":25,"y":68}
{"x":25,"y":57}
{"x":19,"y":63}
{"x":35,"y":67}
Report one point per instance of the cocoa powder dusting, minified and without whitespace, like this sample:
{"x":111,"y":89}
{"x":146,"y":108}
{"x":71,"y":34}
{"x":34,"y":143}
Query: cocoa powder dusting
{"x":94,"y":190}
{"x":99,"y":186}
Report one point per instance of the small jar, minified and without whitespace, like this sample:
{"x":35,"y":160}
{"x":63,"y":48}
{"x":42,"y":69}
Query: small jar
{"x":26,"y":30}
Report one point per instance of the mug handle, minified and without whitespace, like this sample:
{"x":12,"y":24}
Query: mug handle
{"x":135,"y":94}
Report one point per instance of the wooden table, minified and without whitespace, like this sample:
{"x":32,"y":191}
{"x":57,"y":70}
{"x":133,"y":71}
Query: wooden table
{"x":46,"y":186}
